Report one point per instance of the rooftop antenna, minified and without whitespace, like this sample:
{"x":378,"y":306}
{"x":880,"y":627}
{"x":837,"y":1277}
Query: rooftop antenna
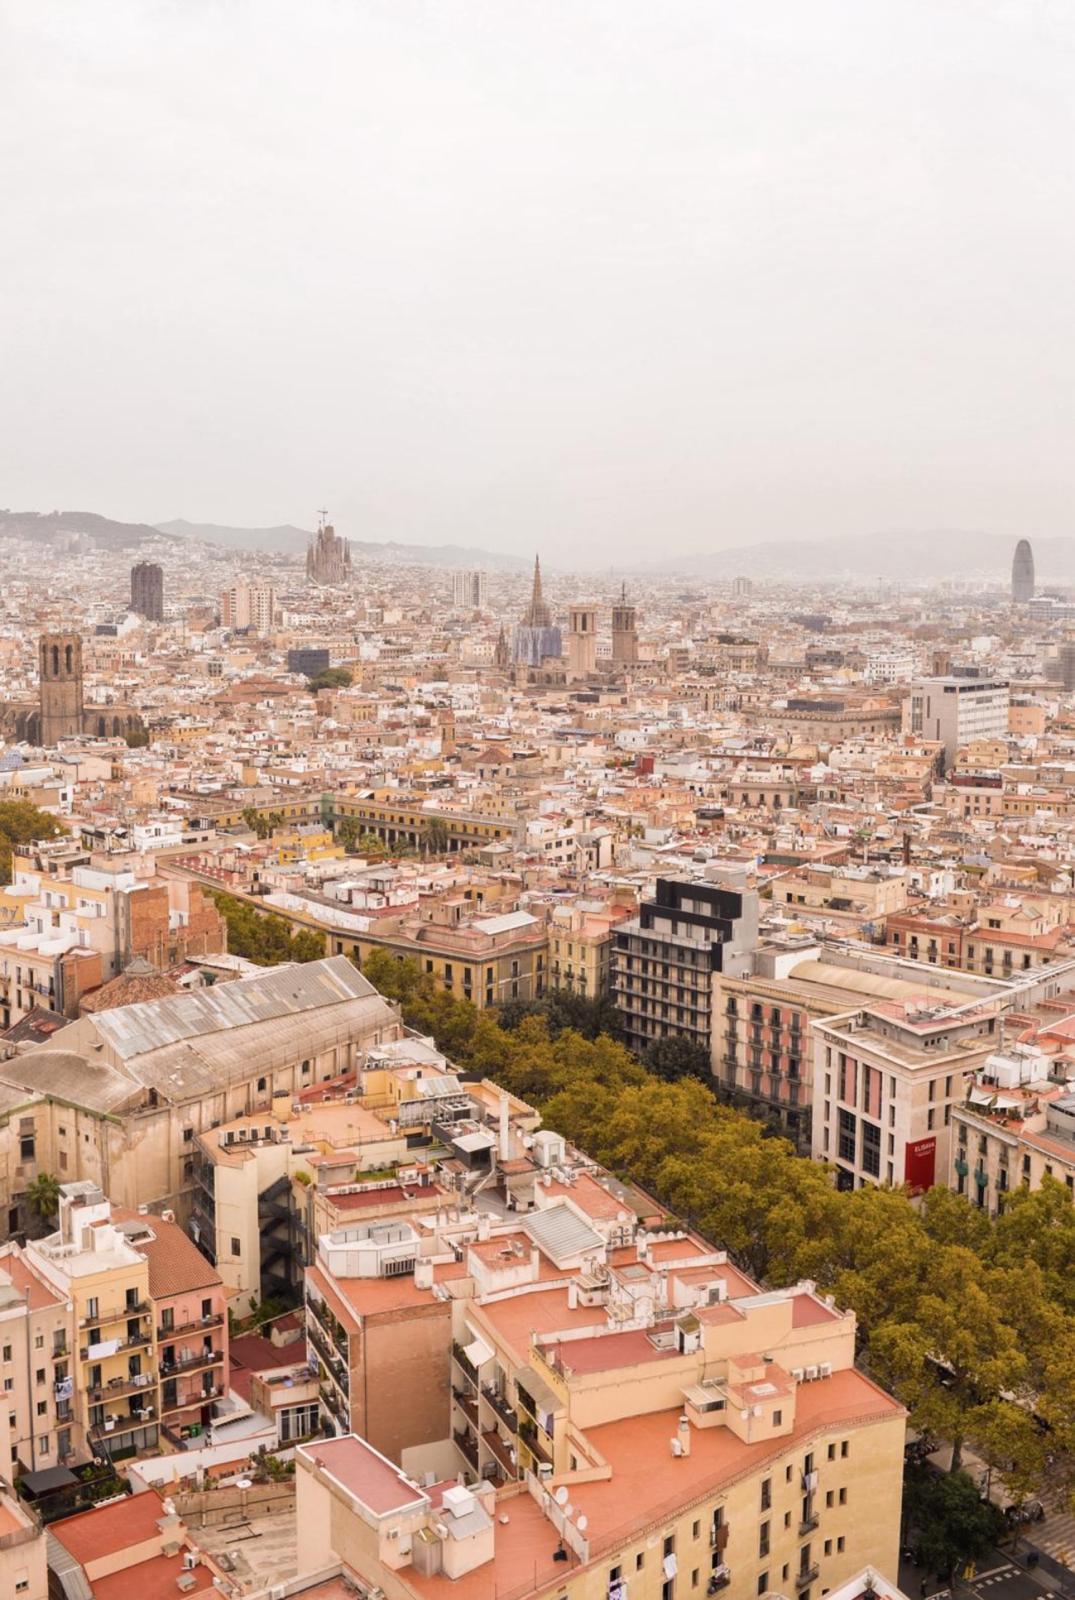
{"x":322,"y":513}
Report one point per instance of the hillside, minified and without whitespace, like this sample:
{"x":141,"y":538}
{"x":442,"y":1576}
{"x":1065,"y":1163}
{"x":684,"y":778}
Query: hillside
{"x":289,"y":540}
{"x":43,"y":527}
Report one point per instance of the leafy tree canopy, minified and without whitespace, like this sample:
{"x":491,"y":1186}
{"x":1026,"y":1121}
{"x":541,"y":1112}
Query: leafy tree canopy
{"x":21,"y":823}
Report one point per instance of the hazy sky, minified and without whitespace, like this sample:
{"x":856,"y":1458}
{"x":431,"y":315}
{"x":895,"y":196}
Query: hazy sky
{"x":596,"y":277}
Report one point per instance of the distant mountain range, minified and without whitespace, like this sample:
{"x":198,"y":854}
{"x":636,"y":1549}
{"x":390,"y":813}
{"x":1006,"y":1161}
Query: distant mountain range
{"x":913,"y":557}
{"x":289,"y":540}
{"x":44,"y":527}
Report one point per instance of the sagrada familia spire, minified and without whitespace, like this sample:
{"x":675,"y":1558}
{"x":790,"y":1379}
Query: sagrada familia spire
{"x":328,"y":557}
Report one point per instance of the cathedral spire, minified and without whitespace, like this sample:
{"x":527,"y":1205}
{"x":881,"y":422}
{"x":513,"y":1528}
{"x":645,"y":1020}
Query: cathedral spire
{"x":538,"y":615}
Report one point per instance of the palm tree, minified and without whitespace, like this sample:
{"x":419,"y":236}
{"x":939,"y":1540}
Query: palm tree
{"x":43,"y":1196}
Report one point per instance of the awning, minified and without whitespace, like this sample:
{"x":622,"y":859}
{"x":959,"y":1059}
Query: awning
{"x":477,"y":1352}
{"x":47,"y":1480}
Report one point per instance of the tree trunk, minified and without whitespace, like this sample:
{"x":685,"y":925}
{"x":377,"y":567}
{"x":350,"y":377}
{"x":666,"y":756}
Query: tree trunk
{"x":957,"y":1455}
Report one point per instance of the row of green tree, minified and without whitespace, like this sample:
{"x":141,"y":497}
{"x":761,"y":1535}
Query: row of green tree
{"x":970,"y":1320}
{"x":264,"y":937}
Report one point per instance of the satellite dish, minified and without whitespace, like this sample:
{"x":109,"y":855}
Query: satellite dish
{"x":569,"y":1510}
{"x":583,"y":1523}
{"x":561,"y":1496}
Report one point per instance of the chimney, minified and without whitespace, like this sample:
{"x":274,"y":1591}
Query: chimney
{"x":683,"y":1434}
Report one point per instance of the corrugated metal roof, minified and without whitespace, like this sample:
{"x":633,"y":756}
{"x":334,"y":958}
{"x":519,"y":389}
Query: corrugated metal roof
{"x":67,"y":1571}
{"x":560,"y":1233}
{"x":188,"y":1046}
{"x":281,"y":991}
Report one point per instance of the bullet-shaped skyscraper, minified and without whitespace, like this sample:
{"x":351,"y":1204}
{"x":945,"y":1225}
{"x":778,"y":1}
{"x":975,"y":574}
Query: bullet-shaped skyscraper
{"x":1022,"y":573}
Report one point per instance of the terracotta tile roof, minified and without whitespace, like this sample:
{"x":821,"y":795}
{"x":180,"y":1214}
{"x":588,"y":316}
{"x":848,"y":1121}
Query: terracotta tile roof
{"x":176,"y":1265}
{"x":255,"y":1354}
{"x":130,"y":989}
{"x":41,"y":1294}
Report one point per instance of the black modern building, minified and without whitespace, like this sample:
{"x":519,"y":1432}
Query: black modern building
{"x":664,"y":959}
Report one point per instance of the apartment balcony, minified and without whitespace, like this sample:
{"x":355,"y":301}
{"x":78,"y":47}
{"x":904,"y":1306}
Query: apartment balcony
{"x":467,"y":1406}
{"x":332,"y":1402}
{"x":537,"y":1446}
{"x":328,"y":1356}
{"x":468,"y":1449}
{"x":808,"y":1524}
{"x":104,"y":1319}
{"x":501,"y":1453}
{"x":118,"y":1388}
{"x":464,"y":1363}
{"x":504,"y":1411}
{"x":201,"y":1358}
{"x":720,"y":1579}
{"x":125,"y":1422}
{"x":331,"y":1328}
{"x":807,"y":1575}
{"x":201,"y":1325}
{"x":137,"y":1341}
{"x":192,"y":1402}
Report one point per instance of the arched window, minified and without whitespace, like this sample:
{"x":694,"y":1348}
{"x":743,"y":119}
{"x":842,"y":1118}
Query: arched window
{"x":68,"y":656}
{"x":56,"y":661}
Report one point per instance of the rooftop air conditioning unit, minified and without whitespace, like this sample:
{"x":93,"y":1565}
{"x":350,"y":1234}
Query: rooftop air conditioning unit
{"x":825,"y":1369}
{"x":797,"y":1374}
{"x":811,"y":1374}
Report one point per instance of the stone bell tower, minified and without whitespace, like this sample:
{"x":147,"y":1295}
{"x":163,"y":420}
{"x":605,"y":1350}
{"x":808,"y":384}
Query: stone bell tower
{"x":60,"y":678}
